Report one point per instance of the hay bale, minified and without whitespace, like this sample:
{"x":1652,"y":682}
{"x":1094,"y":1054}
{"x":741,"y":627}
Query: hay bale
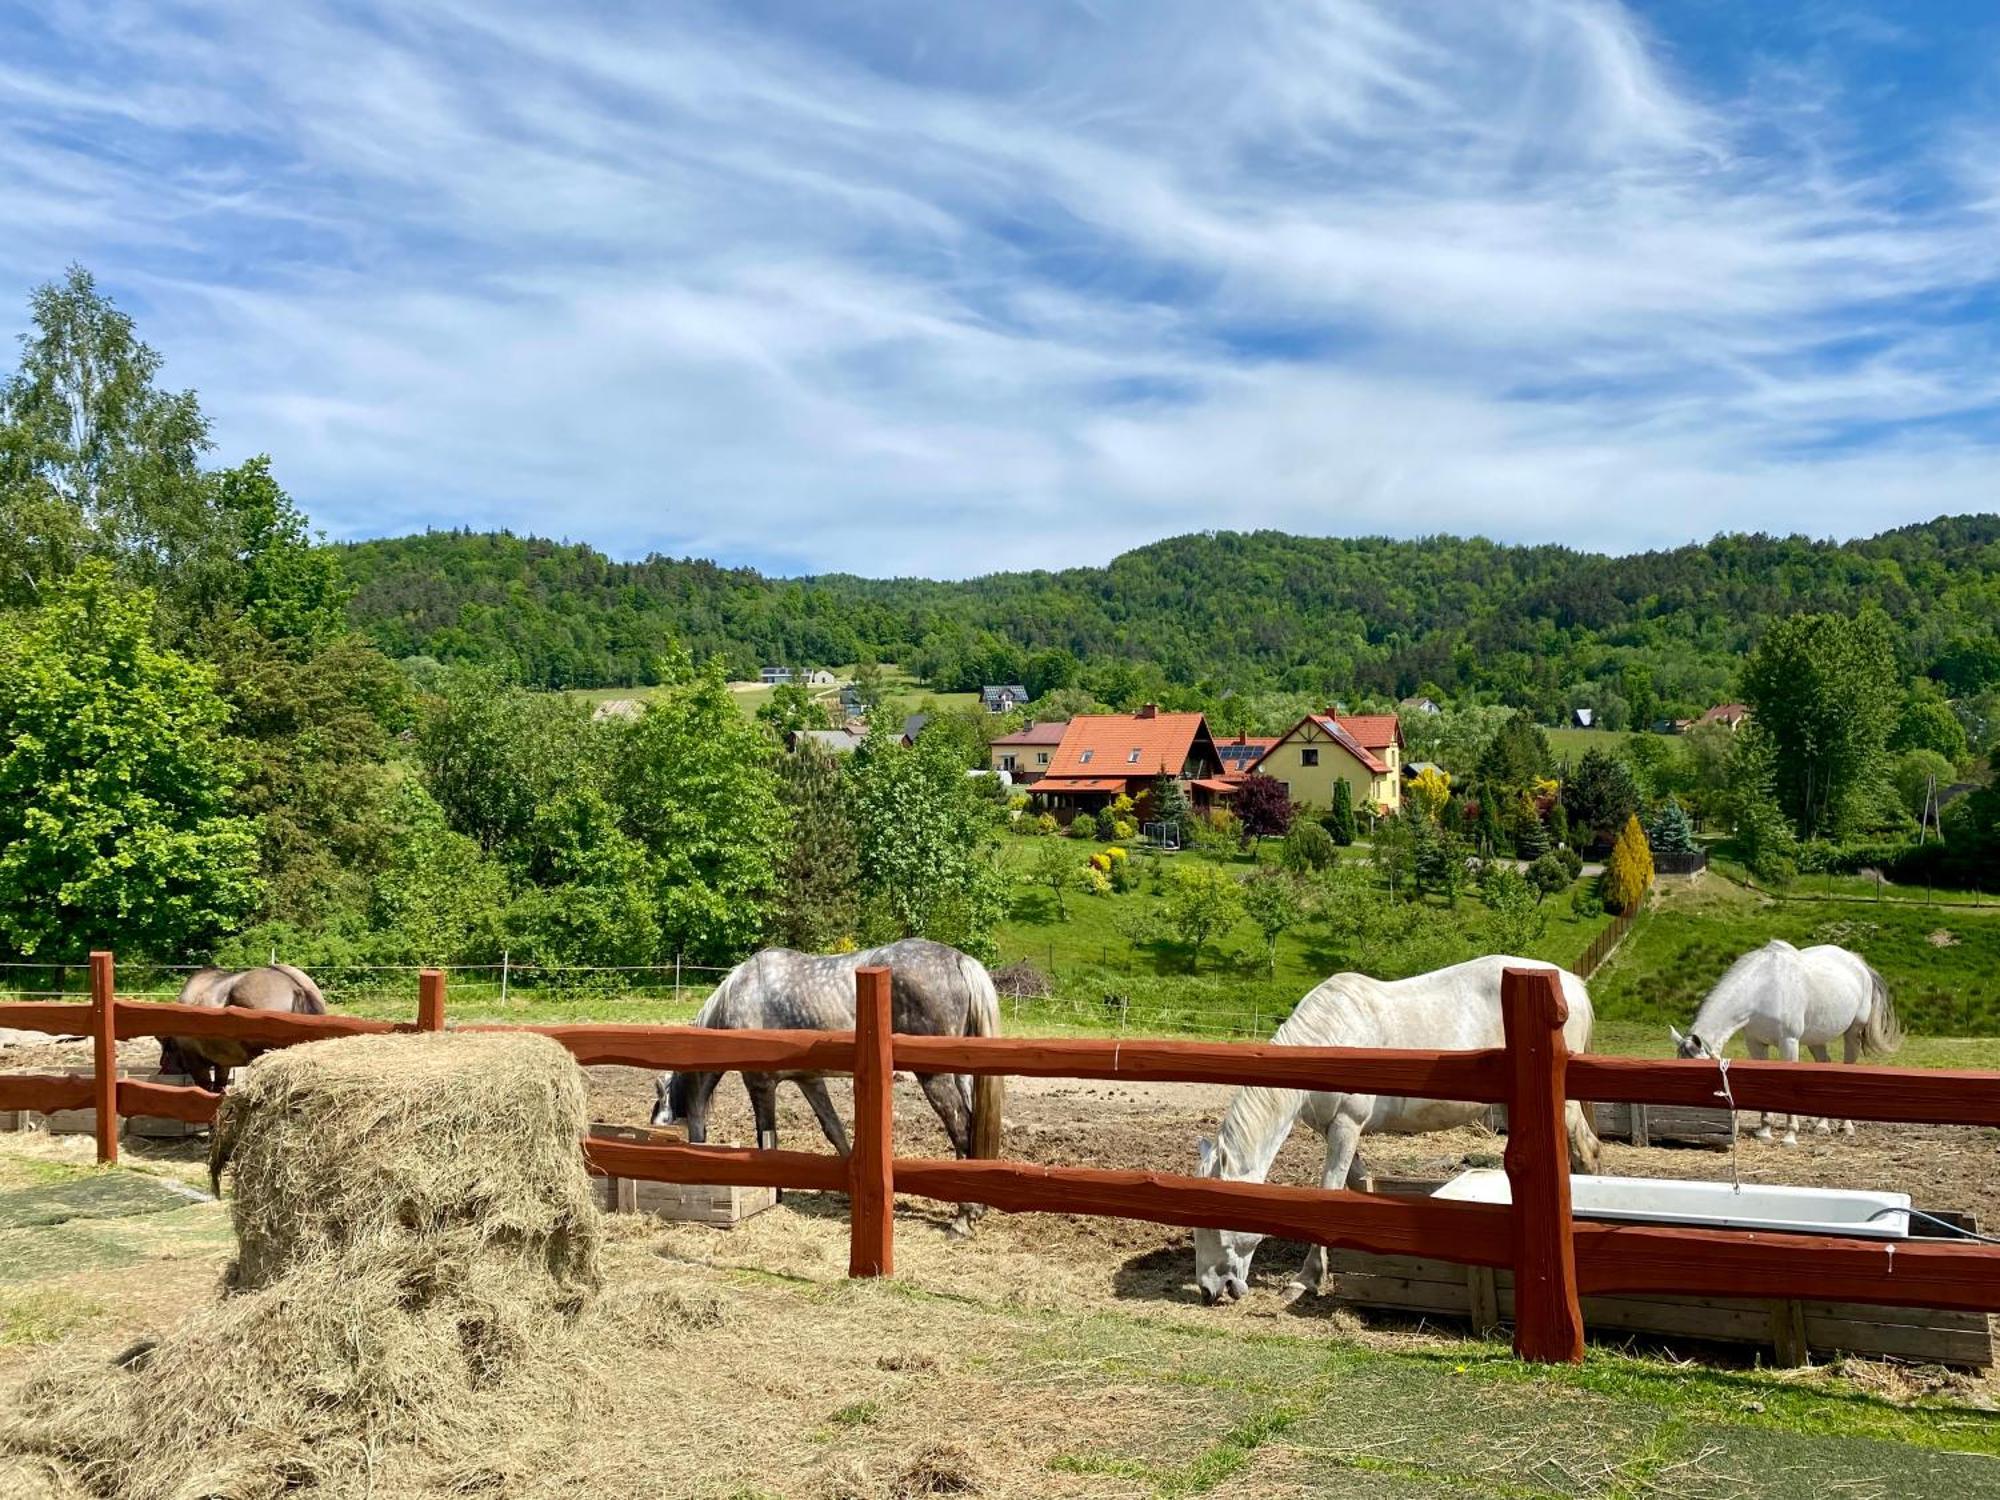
{"x":417,"y":1249}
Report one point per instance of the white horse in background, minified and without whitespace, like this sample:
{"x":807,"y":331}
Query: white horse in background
{"x":1779,"y":996}
{"x":1450,"y":1009}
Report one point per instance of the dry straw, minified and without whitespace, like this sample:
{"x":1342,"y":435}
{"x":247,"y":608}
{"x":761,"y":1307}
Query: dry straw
{"x":411,"y":1310}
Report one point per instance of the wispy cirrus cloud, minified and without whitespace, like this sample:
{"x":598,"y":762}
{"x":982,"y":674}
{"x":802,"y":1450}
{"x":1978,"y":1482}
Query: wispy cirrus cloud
{"x":942,"y":289}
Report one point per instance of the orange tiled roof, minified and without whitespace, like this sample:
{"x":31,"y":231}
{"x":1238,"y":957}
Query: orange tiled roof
{"x":1126,"y":745}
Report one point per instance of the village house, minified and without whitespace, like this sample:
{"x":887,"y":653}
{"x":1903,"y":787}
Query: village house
{"x":1729,"y":715}
{"x":913,"y":725}
{"x":1025,"y":754}
{"x":844,"y":741}
{"x":1105,"y":756}
{"x":775,"y":676}
{"x":1364,"y":750}
{"x":1420,"y":706}
{"x":1003,"y":699}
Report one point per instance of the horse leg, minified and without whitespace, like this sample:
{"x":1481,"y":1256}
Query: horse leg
{"x":829,"y":1118}
{"x":1818,"y":1049}
{"x":947,"y":1097}
{"x":1761,"y":1052}
{"x":763,"y":1090}
{"x":1850,"y":1053}
{"x":1788,"y":1049}
{"x":1342,"y":1169}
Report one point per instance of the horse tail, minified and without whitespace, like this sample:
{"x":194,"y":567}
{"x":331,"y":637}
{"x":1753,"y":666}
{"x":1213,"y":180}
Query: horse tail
{"x":1882,"y":1031}
{"x":989,"y":1090}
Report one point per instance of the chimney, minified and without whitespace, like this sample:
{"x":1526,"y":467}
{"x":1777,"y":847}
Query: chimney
{"x":1149,"y":711}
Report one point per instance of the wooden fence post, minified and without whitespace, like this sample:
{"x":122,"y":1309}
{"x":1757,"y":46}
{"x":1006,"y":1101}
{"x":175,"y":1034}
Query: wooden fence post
{"x":430,"y":1000}
{"x":1548,"y":1323}
{"x":104,"y":1053}
{"x":872,"y":1193}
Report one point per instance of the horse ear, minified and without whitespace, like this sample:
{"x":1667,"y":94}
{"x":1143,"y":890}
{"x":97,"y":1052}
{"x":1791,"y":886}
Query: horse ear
{"x":1204,"y":1150}
{"x":1678,"y":1038}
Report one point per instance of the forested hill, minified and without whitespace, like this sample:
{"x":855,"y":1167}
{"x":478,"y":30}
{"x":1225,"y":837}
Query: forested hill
{"x":1228,"y":609}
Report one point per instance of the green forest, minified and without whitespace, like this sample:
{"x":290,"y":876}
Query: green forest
{"x":222,"y":737}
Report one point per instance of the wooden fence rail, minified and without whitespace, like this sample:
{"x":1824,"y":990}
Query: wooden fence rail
{"x":1554,"y":1259}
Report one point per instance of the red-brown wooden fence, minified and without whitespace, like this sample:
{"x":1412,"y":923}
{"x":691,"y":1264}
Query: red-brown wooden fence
{"x":1554,"y":1258}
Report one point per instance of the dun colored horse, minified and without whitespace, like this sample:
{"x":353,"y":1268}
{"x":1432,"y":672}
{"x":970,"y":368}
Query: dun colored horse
{"x":207,"y":1059}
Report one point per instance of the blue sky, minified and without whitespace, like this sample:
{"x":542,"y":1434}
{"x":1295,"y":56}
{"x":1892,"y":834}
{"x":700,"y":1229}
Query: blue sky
{"x":890,"y":287}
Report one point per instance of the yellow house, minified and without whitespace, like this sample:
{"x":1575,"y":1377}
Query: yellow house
{"x":1364,"y":750}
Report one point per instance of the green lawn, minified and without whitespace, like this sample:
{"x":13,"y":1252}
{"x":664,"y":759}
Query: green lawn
{"x":1942,"y":963}
{"x":1572,"y":742}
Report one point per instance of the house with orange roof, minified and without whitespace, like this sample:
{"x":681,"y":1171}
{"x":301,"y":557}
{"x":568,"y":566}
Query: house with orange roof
{"x":1105,"y":756}
{"x":1240,"y":752}
{"x":1026,"y":753}
{"x":1364,"y":750}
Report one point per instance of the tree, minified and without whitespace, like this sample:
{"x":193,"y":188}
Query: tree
{"x":116,"y":828}
{"x":1531,"y":839}
{"x":1083,"y":825}
{"x":1670,"y":831}
{"x":1517,"y":755}
{"x":264,"y":564}
{"x":492,"y":754}
{"x":1275,"y":902}
{"x":1264,"y":807}
{"x":1600,"y":795}
{"x":868,"y":684}
{"x":1438,"y":858}
{"x":1514,"y":909}
{"x":1340,"y":821}
{"x":1823,"y":689}
{"x":1308,"y":848}
{"x":1429,"y":791}
{"x":792,"y":707}
{"x":693,"y":783}
{"x":1628,"y":874}
{"x":818,"y":899}
{"x":928,"y":861}
{"x":591,"y":901}
{"x":1202,"y":901}
{"x":439,"y":900}
{"x":1167,"y":802}
{"x":1764,"y":837}
{"x":1558,"y":825}
{"x":1392,"y":850}
{"x":1929,"y":724}
{"x":1916,"y":774}
{"x":1055,"y":867}
{"x":1548,"y":875}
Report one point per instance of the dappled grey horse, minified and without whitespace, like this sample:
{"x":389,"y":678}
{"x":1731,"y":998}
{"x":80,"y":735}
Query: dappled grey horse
{"x":934,"y":990}
{"x":207,"y":1059}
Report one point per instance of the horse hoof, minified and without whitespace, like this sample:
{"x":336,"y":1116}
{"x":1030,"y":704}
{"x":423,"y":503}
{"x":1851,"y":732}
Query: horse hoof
{"x":1762,"y":1133}
{"x":1824,"y":1128}
{"x":958,"y":1229}
{"x":1791,"y":1140}
{"x":1847,"y":1127}
{"x":1293,"y":1293}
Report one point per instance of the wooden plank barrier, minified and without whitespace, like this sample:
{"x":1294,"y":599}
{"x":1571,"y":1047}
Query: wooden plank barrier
{"x":1548,"y":1323}
{"x":430,"y":1000}
{"x":104,"y":1054}
{"x":871,"y":1162}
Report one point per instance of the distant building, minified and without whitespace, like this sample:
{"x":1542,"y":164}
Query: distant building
{"x":1584,"y":718}
{"x":1421,"y":705}
{"x":851,"y":706}
{"x":1242,"y":752}
{"x":1729,"y":715}
{"x":1003,"y":699}
{"x":833,"y":741}
{"x":1364,"y":750}
{"x":820,"y":677}
{"x":1106,"y":756}
{"x":775,"y":676}
{"x":618,"y":708}
{"x":1025,"y":754}
{"x":914,"y":726}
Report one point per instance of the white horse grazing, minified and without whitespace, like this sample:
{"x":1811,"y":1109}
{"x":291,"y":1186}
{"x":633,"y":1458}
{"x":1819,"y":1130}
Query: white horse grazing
{"x":1454,"y":1009}
{"x":1779,"y":996}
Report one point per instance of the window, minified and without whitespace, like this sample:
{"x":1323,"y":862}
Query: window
{"x":1006,"y":762}
{"x":1309,"y":756}
{"x":1084,"y":758}
{"x":1041,"y":757}
{"x":1133,"y":758}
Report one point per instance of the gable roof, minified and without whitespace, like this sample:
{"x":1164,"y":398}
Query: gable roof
{"x":1360,"y":735}
{"x":834,"y":741}
{"x":914,"y":726}
{"x":992,"y":693}
{"x":1035,"y":734}
{"x":1726,"y":713}
{"x":1128,"y":746}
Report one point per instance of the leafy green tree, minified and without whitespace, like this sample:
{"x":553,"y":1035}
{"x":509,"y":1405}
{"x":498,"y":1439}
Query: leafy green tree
{"x":1671,"y":831}
{"x":1823,"y":689}
{"x":1308,"y":848}
{"x":792,"y":707}
{"x":1275,"y":902}
{"x":693,"y":783}
{"x":439,"y":899}
{"x":116,"y":827}
{"x":869,"y":685}
{"x":1929,"y":724}
{"x":1055,"y":868}
{"x":1202,"y":902}
{"x":1517,"y":756}
{"x":1393,"y":850}
{"x":1764,"y":837}
{"x":265,"y":566}
{"x":1340,"y":821}
{"x":1600,"y":795}
{"x":1438,"y":859}
{"x":927,"y":843}
{"x":1487,"y":832}
{"x":492,"y":754}
{"x":1515,"y":918}
{"x":1915,"y":774}
{"x":1558,"y":825}
{"x":591,"y":897}
{"x":819,"y":862}
{"x":1549,"y":874}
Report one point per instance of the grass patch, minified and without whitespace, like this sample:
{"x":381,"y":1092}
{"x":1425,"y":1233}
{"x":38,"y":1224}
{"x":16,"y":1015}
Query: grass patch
{"x":42,"y":1317}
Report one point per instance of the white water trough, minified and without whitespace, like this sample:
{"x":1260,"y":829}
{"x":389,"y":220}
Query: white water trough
{"x":1712,"y":1205}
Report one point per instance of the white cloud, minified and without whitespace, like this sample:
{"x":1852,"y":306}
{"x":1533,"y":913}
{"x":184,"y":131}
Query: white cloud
{"x":941,"y":290}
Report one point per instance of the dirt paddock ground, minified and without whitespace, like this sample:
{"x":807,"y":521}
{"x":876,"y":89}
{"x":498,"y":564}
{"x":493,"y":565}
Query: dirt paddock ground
{"x":1056,"y":1355}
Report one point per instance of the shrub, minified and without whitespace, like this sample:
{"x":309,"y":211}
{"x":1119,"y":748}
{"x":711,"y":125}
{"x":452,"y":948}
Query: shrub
{"x":1549,"y":874}
{"x":1308,"y":848}
{"x":1671,"y":831}
{"x":1263,"y":806}
{"x":1340,"y":821}
{"x":1584,"y":902}
{"x":1222,"y":825}
{"x":1046,"y":824}
{"x":1628,"y":874}
{"x":1124,"y":828}
{"x":1572,"y":861}
{"x":1083,"y":826}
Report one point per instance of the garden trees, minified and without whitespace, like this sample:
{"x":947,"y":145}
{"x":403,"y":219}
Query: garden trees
{"x":1056,"y":869}
{"x":1929,"y":724}
{"x":927,"y":843}
{"x":116,"y":825}
{"x":1263,"y":806}
{"x":1549,"y":874}
{"x":493,"y":753}
{"x":1628,"y":874}
{"x":1308,"y":848}
{"x":792,"y":707}
{"x":1428,"y":792}
{"x":1822,"y":689}
{"x":439,"y":898}
{"x":1517,"y":756}
{"x":693,"y":784}
{"x":1340,"y":821}
{"x":1275,"y":902}
{"x":1168,"y":803}
{"x":1670,"y":831}
{"x":1514,"y":909}
{"x":589,"y":898}
{"x":818,"y":900}
{"x":1599,"y":796}
{"x":1202,"y":901}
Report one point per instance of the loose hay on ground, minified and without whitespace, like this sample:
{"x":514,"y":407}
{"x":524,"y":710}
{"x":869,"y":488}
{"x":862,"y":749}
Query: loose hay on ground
{"x":411,"y":1308}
